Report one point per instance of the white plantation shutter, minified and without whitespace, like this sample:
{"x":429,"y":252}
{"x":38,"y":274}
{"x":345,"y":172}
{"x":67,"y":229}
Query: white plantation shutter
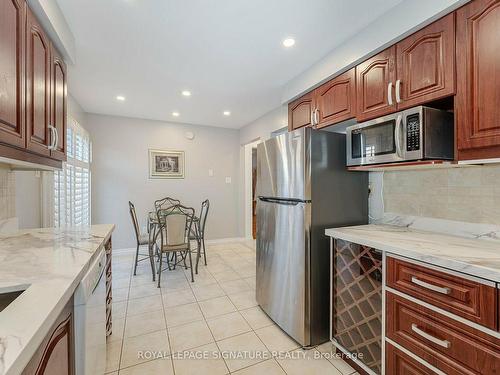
{"x":72,"y":183}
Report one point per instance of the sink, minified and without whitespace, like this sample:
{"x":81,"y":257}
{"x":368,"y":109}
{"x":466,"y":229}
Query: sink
{"x":6,"y":298}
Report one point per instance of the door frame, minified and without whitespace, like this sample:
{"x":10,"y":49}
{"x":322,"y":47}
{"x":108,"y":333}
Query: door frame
{"x":247,"y":195}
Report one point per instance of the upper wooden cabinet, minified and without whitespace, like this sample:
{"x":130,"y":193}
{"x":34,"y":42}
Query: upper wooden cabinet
{"x":426,"y":64}
{"x":300,"y":112}
{"x":335,"y":101}
{"x":375,"y":85}
{"x":37,"y":87}
{"x":58,"y":104}
{"x":12,"y":31}
{"x":477,"y":103}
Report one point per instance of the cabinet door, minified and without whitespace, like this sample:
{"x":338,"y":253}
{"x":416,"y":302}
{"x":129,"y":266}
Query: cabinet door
{"x":58,"y":103}
{"x":299,"y":112}
{"x":37,"y":87}
{"x":336,"y":99}
{"x":426,"y":64}
{"x":397,"y":362}
{"x":477,"y":103}
{"x":372,"y":84}
{"x":12,"y":29}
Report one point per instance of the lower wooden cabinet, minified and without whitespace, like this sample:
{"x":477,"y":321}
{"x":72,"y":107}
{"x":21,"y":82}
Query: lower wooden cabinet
{"x":398,"y":363}
{"x":55,"y":356}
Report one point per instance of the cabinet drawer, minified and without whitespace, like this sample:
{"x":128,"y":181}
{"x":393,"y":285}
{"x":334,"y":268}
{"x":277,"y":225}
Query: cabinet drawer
{"x":397,"y":362}
{"x":462,"y":297}
{"x":446,"y":344}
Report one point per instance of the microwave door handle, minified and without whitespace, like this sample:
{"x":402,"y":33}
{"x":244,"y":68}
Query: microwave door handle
{"x":397,"y":136}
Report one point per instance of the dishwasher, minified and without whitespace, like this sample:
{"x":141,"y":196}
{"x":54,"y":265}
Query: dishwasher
{"x":357,"y":303}
{"x":90,"y":319}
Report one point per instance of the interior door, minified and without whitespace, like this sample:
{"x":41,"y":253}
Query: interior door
{"x":375,"y":80}
{"x":37,"y":87}
{"x":12,"y":31}
{"x":282,"y":260}
{"x":58,"y":103}
{"x":426,"y":64}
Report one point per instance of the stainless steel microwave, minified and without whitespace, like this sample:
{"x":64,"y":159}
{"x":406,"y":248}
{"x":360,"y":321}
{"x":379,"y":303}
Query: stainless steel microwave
{"x":417,"y":133}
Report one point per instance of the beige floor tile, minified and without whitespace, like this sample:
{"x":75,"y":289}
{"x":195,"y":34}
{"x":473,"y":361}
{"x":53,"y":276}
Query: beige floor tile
{"x":120,"y":282}
{"x":256,"y":317}
{"x":251,"y":281}
{"x":228,"y":325}
{"x":161,"y":366}
{"x":328,"y":350}
{"x":276,"y":340}
{"x":269,"y":367}
{"x":117,"y":330}
{"x":182,"y":314}
{"x":216,"y":267}
{"x":144,"y":304}
{"x":118,"y":309}
{"x":178,"y":297}
{"x":307,"y":364}
{"x":142,"y":278}
{"x":189,"y":336}
{"x":216,"y":306}
{"x":202,"y":280}
{"x":226,"y":275}
{"x":168,"y":285}
{"x":145,"y":290}
{"x":202,"y":360}
{"x":244,"y":300}
{"x":235,"y":286}
{"x":246,"y":271}
{"x":144,"y":323}
{"x":120,"y":294}
{"x":113,"y":351}
{"x":247,"y":343}
{"x":204,"y":292}
{"x":150,"y":342}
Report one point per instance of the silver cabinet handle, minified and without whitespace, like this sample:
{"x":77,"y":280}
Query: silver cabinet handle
{"x":316,"y":116}
{"x":52,"y":137}
{"x":56,"y":142}
{"x":432,"y":287}
{"x":398,"y":91}
{"x":389,"y":93}
{"x":312,"y":117}
{"x":444,"y":343}
{"x":397,"y":136}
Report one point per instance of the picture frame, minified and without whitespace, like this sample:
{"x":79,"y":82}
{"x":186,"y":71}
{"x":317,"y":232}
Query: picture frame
{"x":166,"y":164}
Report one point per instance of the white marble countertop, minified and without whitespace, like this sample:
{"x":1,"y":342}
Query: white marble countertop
{"x":50,"y":263}
{"x":476,"y":257}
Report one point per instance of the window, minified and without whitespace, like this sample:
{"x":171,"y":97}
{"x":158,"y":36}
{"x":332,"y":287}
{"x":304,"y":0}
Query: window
{"x":72,"y":183}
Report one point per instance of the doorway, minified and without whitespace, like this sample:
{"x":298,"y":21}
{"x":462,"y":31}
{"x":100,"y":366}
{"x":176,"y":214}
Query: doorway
{"x":250,"y":151}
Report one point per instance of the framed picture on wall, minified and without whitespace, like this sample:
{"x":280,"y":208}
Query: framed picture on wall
{"x":166,"y":164}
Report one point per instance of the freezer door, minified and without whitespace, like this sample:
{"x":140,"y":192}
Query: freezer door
{"x":283,"y":230}
{"x":282,"y":166}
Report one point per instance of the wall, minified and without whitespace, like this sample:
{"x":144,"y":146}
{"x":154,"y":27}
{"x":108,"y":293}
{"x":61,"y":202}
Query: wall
{"x":262,"y":127}
{"x":120,"y":173}
{"x":28,"y":198}
{"x":7,"y":193}
{"x":470,"y":194}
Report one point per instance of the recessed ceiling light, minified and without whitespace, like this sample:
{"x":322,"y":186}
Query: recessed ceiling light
{"x":121,"y":98}
{"x":226,"y":113}
{"x":176,"y":114}
{"x":186,"y":93}
{"x":289,"y":42}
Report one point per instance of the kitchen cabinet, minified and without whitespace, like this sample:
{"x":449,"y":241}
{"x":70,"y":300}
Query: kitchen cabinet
{"x":375,"y":79}
{"x":58,"y":104}
{"x":37,"y":87}
{"x":477,"y":108}
{"x":300,"y":112}
{"x":12,"y":32}
{"x":425,"y":64}
{"x":398,"y":362}
{"x":55,"y":355}
{"x":335,"y":101}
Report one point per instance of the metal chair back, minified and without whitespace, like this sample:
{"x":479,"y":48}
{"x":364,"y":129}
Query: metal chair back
{"x":135,"y":222}
{"x":205,"y":206}
{"x":165,"y":203}
{"x":175,"y":224}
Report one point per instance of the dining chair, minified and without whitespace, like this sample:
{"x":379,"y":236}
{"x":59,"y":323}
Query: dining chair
{"x":141,"y":239}
{"x":198,"y":232}
{"x":166,"y":202}
{"x":175,"y":224}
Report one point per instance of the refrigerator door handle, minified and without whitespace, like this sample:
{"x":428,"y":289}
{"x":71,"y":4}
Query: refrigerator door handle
{"x":284,"y":201}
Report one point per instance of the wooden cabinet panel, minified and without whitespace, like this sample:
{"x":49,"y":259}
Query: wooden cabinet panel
{"x":38,"y":87}
{"x":300,"y":111}
{"x":58,"y":103}
{"x":477,"y":103}
{"x":462,"y":297}
{"x":398,"y":363}
{"x":336,"y":99}
{"x":12,"y":32}
{"x":447,"y":344}
{"x":426,"y":63}
{"x":372,"y":85}
{"x":55,"y":356}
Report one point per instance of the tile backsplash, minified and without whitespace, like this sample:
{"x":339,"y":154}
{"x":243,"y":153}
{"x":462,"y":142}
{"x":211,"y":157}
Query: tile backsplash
{"x":469,"y":194}
{"x":7,"y":193}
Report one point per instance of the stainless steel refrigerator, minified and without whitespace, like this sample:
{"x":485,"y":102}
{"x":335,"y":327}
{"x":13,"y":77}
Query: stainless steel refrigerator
{"x":303,"y":187}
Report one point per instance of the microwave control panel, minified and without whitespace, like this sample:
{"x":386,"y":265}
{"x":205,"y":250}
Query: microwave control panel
{"x":413,"y":132}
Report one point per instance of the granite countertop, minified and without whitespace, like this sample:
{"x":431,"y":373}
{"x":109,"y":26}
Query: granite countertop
{"x":476,"y":257}
{"x":50,"y":263}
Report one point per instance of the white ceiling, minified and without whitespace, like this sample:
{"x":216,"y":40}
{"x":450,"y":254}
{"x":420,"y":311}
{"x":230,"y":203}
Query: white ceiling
{"x":228,"y":53}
